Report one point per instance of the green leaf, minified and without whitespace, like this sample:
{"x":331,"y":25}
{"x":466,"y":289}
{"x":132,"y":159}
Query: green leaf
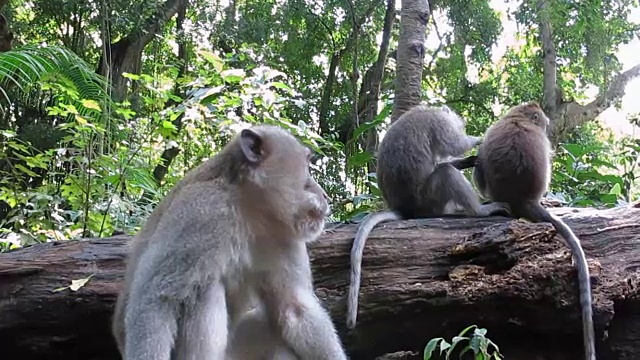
{"x":91,"y":104}
{"x":280,"y":85}
{"x":7,"y":133}
{"x":444,"y":345}
{"x":25,"y":170}
{"x":233,"y":75}
{"x":616,"y":190}
{"x":213,"y":59}
{"x":480,"y":332}
{"x":465,"y":330}
{"x":454,"y":342}
{"x":168,"y":125}
{"x":431,"y":346}
{"x":359,"y":159}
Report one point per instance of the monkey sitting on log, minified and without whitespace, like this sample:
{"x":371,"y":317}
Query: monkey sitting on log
{"x":513,"y":166}
{"x":231,"y":234}
{"x":418,"y":179}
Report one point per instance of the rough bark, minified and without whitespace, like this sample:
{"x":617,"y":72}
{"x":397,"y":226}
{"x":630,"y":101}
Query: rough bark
{"x":421,"y":279}
{"x":414,"y":17}
{"x":6,"y":35}
{"x":550,"y":78}
{"x":125,"y":54}
{"x":567,"y":115}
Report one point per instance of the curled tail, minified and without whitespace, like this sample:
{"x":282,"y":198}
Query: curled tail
{"x":357,"y":249}
{"x":588,"y":336}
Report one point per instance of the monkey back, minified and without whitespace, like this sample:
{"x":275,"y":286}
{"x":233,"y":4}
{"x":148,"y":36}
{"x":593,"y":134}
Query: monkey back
{"x":515,"y":161}
{"x":409,"y":152}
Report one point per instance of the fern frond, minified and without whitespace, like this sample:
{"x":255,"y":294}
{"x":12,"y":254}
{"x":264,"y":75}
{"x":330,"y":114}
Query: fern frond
{"x":25,"y":69}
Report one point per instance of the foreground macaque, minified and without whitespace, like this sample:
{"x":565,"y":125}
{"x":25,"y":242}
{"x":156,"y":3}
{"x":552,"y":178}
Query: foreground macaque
{"x":419,"y":178}
{"x":514,"y":167}
{"x":253,"y":339}
{"x":230,"y":236}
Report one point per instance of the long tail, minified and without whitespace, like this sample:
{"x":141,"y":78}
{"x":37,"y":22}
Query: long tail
{"x":588,"y":335}
{"x":357,"y":249}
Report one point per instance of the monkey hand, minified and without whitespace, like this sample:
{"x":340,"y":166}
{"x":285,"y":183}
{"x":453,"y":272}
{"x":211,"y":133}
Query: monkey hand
{"x":477,"y":140}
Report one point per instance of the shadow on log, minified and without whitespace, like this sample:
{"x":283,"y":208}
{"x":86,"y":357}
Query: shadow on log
{"x":421,"y":279}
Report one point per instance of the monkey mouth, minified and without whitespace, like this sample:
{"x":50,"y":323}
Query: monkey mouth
{"x":310,"y":227}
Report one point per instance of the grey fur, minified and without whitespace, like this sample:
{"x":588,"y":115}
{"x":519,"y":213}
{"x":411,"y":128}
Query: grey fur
{"x":253,"y":339}
{"x":418,"y":177}
{"x":230,"y":236}
{"x":514,"y":167}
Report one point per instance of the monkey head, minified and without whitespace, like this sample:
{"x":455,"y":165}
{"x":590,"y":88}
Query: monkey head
{"x":282,"y":194}
{"x":452,"y":117}
{"x":530,"y":111}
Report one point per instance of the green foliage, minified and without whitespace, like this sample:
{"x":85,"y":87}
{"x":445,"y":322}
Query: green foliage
{"x":586,"y":35}
{"x":594,"y":169}
{"x":113,"y":187}
{"x":478,"y":344}
{"x":26,"y":68}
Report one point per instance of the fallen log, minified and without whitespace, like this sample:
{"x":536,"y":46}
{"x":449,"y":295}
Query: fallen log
{"x":421,"y":279}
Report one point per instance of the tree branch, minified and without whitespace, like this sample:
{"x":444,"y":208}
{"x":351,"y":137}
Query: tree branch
{"x":575,"y":114}
{"x":336,"y":59}
{"x":126,"y":53}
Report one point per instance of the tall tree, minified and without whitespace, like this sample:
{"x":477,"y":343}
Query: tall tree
{"x":125,"y":54}
{"x":577,"y":43}
{"x":6,"y":35}
{"x":414,"y":17}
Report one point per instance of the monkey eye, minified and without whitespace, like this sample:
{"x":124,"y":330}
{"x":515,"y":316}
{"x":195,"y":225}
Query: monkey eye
{"x":310,"y":156}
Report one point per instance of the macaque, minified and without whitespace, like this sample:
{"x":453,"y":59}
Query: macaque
{"x":230,"y":236}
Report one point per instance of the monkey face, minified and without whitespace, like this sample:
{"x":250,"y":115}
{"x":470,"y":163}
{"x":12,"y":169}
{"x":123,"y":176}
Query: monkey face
{"x":281,"y":187}
{"x":532,"y":112}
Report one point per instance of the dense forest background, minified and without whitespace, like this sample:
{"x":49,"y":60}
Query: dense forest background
{"x":106,"y":104}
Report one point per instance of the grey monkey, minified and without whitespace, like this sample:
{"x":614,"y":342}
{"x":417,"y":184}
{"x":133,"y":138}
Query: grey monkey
{"x":418,"y":177}
{"x":514,"y":166}
{"x":253,"y":339}
{"x":231,"y":234}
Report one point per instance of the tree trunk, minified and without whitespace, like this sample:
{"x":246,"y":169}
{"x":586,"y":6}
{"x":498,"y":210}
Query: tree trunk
{"x":125,"y":54}
{"x":336,"y":59}
{"x":370,"y":90}
{"x":421,"y":279}
{"x":567,"y":115}
{"x":167,"y":156}
{"x":6,"y":35}
{"x":414,"y":17}
{"x":550,"y":78}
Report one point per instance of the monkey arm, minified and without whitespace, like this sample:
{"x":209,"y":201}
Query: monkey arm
{"x":464,"y":163}
{"x":297,"y":313}
{"x":152,"y":327}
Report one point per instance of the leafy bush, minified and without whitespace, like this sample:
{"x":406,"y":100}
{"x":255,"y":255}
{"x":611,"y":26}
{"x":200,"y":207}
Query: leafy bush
{"x":478,"y":344}
{"x":99,"y":175}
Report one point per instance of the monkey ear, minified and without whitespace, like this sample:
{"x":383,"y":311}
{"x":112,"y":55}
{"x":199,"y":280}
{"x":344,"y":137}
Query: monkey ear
{"x":251,"y":145}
